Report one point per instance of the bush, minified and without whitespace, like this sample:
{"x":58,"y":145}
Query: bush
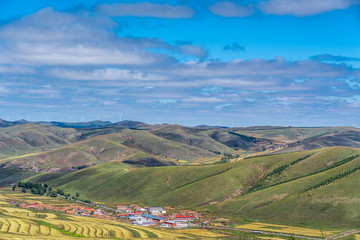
{"x":28,"y":185}
{"x":34,"y":190}
{"x":53,"y":194}
{"x":61,"y":192}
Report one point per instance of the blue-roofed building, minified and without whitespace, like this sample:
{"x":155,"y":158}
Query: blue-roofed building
{"x":153,"y":217}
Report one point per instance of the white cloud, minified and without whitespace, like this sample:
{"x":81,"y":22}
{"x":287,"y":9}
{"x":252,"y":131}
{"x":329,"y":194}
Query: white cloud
{"x":301,"y":8}
{"x":59,"y":54}
{"x":231,"y":9}
{"x":105,"y":74}
{"x":50,"y":37}
{"x":146,"y":9}
{"x":14,"y":69}
{"x":203,"y":100}
{"x":4,"y":90}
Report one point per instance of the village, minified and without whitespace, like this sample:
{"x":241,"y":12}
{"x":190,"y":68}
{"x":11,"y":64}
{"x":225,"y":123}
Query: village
{"x":164,"y":217}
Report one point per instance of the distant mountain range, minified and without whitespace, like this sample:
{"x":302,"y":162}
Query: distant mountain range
{"x":91,"y":124}
{"x":55,"y":146}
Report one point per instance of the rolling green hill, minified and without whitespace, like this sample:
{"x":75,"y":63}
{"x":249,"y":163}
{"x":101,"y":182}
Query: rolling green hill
{"x":315,"y":187}
{"x":291,"y":134}
{"x":28,"y":138}
{"x":214,"y":140}
{"x":48,"y":148}
{"x":130,"y":146}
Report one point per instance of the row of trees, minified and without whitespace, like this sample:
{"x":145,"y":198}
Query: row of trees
{"x":332,"y":179}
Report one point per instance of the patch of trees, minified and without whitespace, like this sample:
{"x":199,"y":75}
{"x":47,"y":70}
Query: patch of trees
{"x":35,"y":188}
{"x":223,"y":160}
{"x":226,"y":158}
{"x":44,"y":189}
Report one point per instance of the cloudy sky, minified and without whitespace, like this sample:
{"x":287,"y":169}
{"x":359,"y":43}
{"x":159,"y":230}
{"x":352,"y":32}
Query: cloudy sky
{"x":233,"y":63}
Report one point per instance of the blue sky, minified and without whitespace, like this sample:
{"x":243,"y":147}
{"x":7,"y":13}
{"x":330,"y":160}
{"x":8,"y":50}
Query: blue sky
{"x":233,"y":63}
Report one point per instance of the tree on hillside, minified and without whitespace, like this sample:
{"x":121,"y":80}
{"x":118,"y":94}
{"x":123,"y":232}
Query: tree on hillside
{"x":34,"y":190}
{"x":60,"y":191}
{"x":28,"y":185}
{"x":23,"y":190}
{"x":14,"y":187}
{"x":53,"y":194}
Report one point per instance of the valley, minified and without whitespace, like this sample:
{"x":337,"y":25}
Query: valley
{"x":281,"y":176}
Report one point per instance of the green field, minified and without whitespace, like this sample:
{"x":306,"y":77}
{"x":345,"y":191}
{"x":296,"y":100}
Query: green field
{"x":310,"y":188}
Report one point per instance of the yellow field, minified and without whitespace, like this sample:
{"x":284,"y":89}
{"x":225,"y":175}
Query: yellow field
{"x":18,"y":223}
{"x":271,"y":238}
{"x":286,"y":229}
{"x":183,"y":161}
{"x":201,"y":232}
{"x":357,"y":236}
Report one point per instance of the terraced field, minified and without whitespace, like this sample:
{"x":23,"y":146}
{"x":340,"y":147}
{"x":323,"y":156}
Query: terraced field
{"x":286,"y":229}
{"x":18,"y":223}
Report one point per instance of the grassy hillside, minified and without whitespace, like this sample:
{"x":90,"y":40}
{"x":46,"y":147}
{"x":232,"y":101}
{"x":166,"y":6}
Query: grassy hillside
{"x":131,"y":146}
{"x":269,"y":188}
{"x":349,"y":138}
{"x":291,"y":134}
{"x":192,"y":136}
{"x":46,"y":148}
{"x":30,"y":137}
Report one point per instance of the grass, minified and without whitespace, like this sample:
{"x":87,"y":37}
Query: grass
{"x":223,"y":189}
{"x":59,"y":149}
{"x":132,"y":146}
{"x":30,"y":138}
{"x":58,"y":229}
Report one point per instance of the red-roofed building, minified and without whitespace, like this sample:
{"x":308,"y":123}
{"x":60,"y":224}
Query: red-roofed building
{"x":31,"y":205}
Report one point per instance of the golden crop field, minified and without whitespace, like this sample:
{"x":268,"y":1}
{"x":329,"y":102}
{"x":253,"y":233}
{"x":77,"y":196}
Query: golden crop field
{"x":201,"y":232}
{"x":19,"y":223}
{"x":286,"y":229}
{"x":357,"y":236}
{"x":271,"y":238}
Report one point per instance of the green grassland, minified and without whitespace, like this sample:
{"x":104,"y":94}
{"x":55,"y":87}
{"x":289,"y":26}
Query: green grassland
{"x":276,"y":188}
{"x":24,"y":139}
{"x":195,"y":137}
{"x":292,"y":134}
{"x":46,"y":148}
{"x":132,"y":146}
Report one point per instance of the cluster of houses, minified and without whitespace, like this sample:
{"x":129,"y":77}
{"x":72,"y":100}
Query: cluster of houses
{"x":145,"y":216}
{"x":157,"y":216}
